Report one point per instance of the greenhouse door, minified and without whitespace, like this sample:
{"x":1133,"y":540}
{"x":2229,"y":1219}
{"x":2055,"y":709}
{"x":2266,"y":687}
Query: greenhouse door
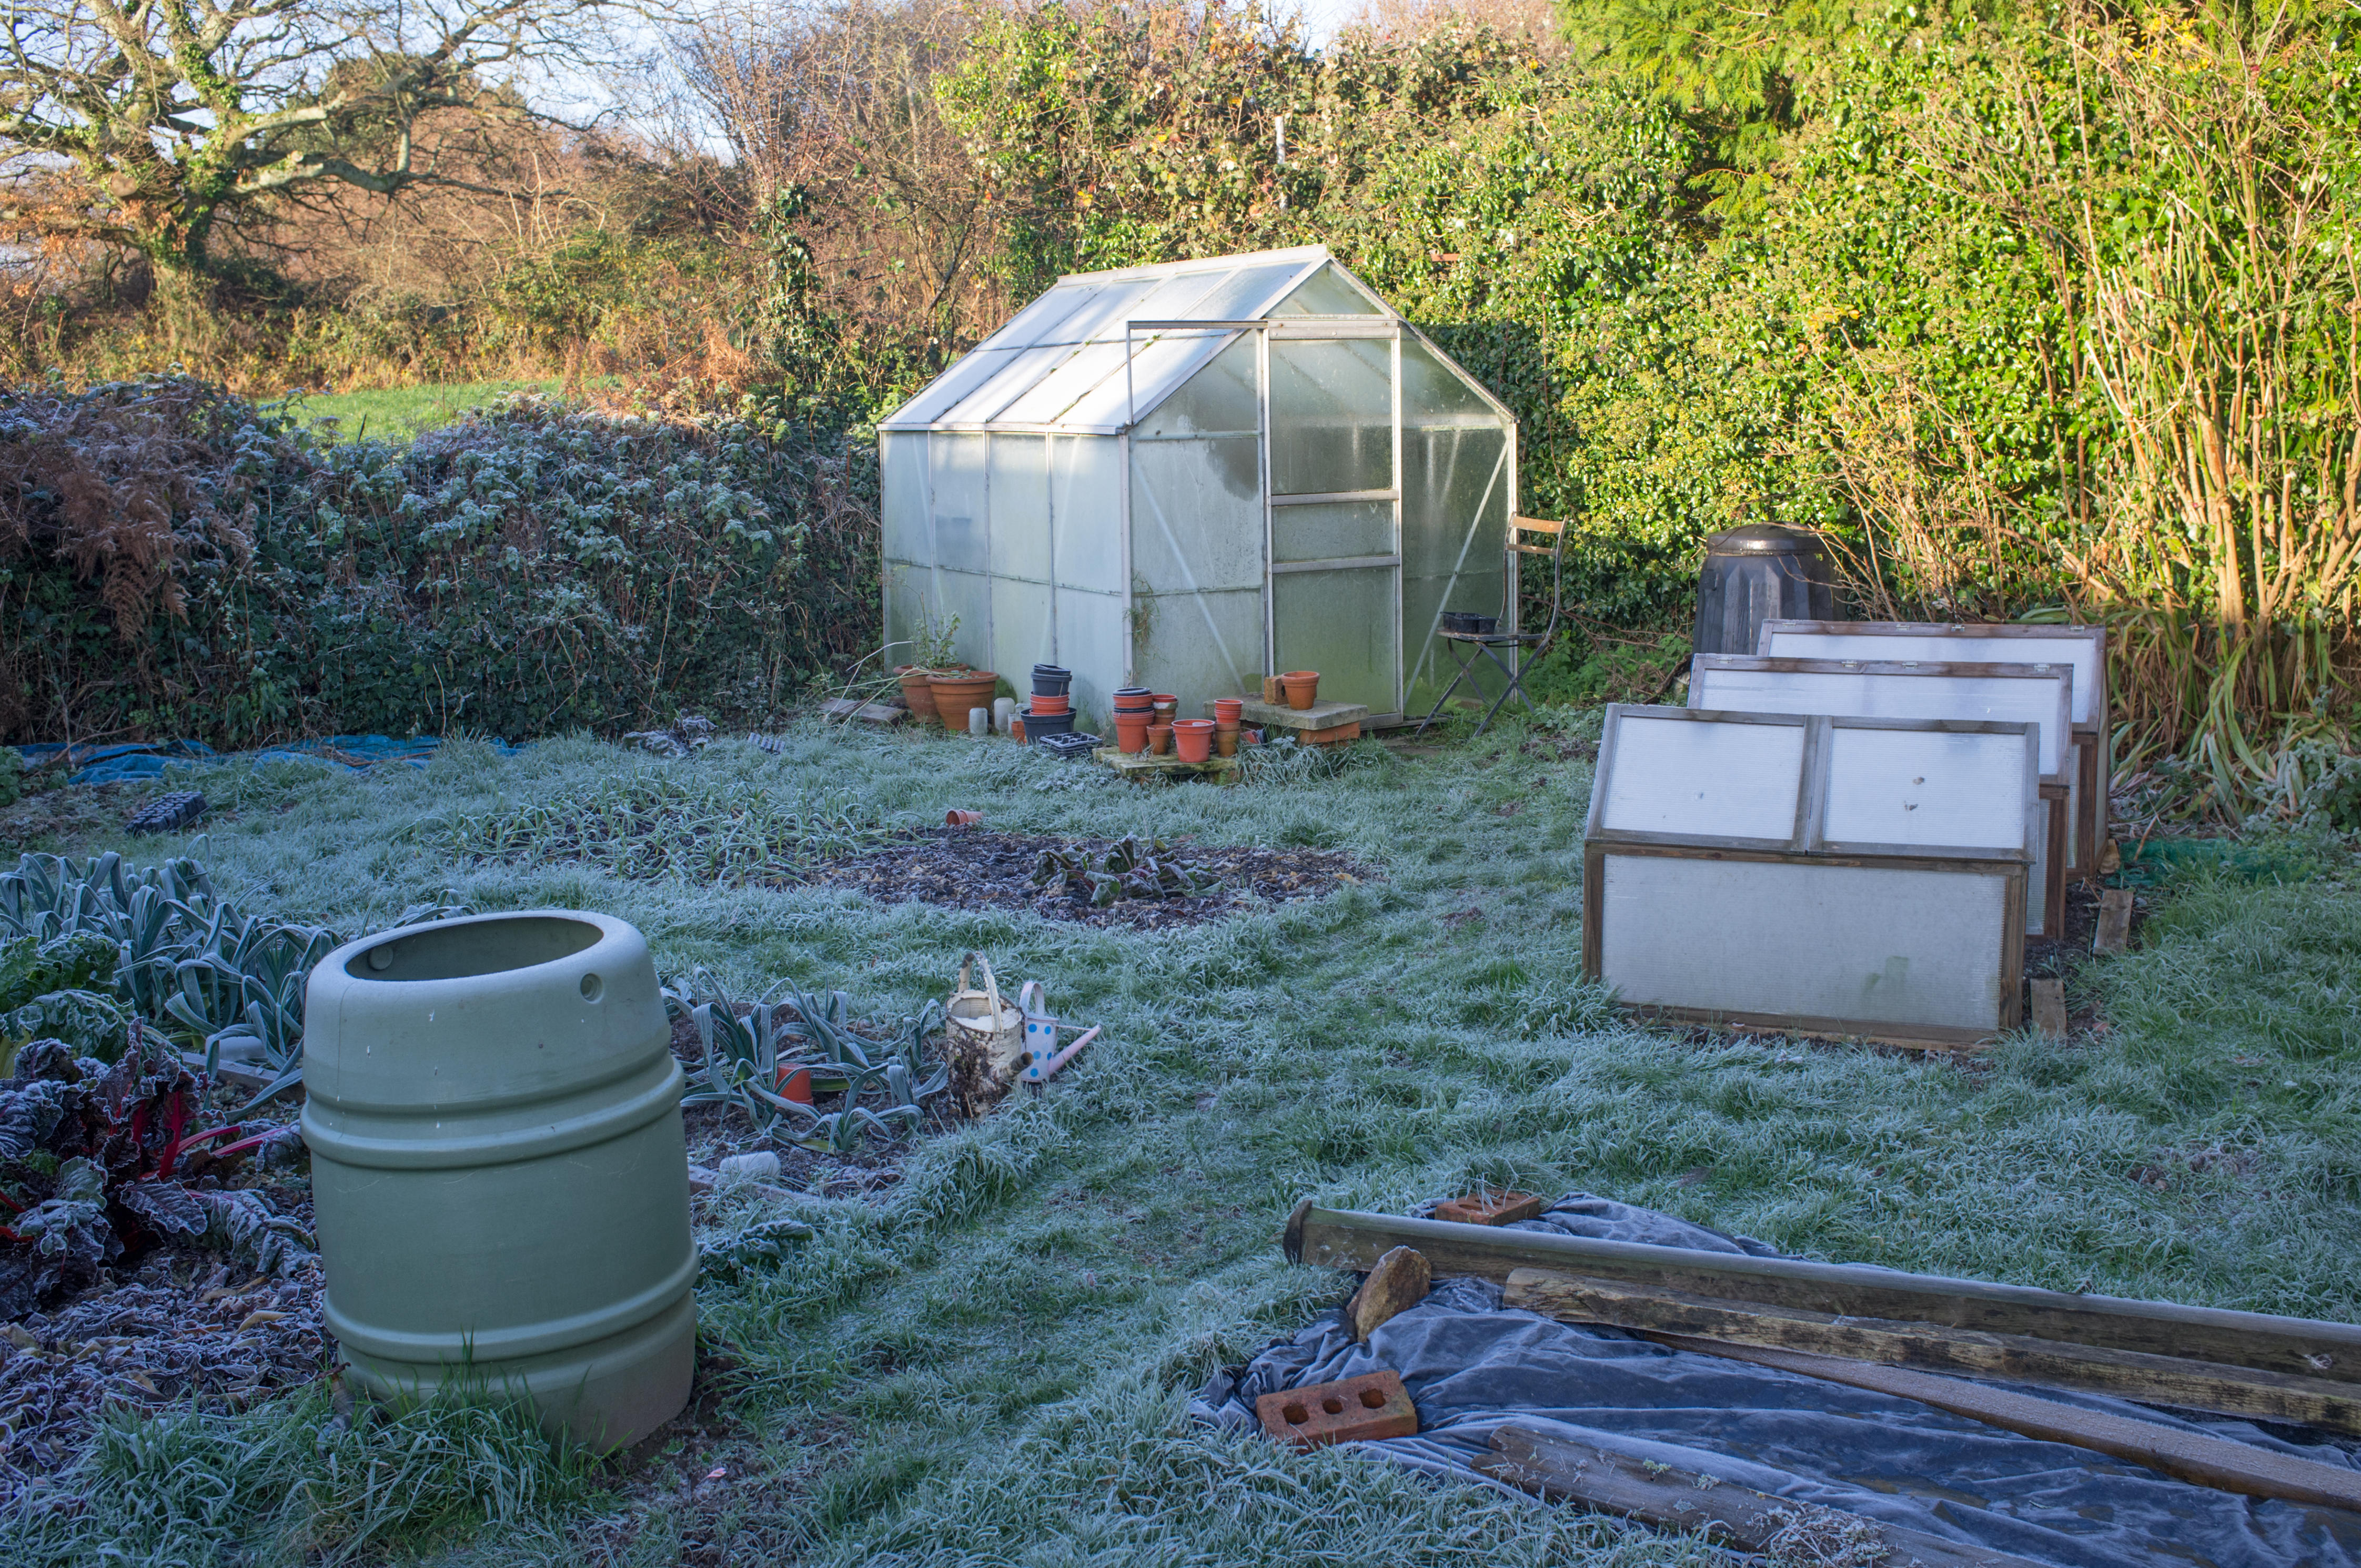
{"x":1334,"y":511}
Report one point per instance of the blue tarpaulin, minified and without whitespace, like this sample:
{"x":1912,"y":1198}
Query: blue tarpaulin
{"x":130,"y":761}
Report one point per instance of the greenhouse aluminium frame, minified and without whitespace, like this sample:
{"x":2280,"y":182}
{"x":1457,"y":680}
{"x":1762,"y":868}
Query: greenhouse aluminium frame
{"x":1185,"y":475}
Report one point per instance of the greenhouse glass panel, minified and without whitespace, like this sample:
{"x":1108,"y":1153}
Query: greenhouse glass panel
{"x":1245,"y":292}
{"x":1433,"y":394}
{"x":1221,"y":398}
{"x":1199,"y":644}
{"x":902,"y":497}
{"x":1023,"y":626}
{"x":1019,"y":495}
{"x":948,"y":389}
{"x":1021,"y":373}
{"x":1342,"y":623}
{"x":956,"y":501}
{"x":1086,"y":512}
{"x":1332,"y":530}
{"x":1196,"y":516}
{"x":1041,"y":321}
{"x":1327,"y":293}
{"x":1331,"y":416}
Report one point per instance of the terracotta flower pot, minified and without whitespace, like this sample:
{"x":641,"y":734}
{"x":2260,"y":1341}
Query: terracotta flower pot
{"x":1302,"y":687}
{"x":956,"y":817}
{"x":1193,"y":739}
{"x":1159,"y":740}
{"x":1048,"y":705}
{"x":1131,"y":733}
{"x":1017,"y":730}
{"x":956,"y":691}
{"x":1229,"y":709}
{"x":1225,"y":741}
{"x":794,"y":1083}
{"x":918,"y":695}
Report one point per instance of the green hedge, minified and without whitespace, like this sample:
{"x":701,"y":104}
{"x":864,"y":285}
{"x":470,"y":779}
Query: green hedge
{"x":180,"y":563}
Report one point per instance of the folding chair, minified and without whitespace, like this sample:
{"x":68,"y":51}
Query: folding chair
{"x":1472,"y":644}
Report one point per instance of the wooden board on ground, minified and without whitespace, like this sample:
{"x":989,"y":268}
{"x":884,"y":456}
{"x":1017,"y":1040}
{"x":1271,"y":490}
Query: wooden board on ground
{"x":1255,"y":714}
{"x":2214,"y":1462}
{"x":1624,"y":1484}
{"x":2115,"y":933}
{"x":2302,"y":1347}
{"x":2049,"y":1007}
{"x":1147,"y":764}
{"x":1967,"y":1352}
{"x":870,"y":712}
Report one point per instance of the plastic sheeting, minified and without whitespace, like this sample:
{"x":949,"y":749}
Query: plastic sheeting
{"x":1473,"y":1365}
{"x":132,"y":761}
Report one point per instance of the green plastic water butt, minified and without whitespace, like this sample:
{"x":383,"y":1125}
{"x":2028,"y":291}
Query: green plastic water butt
{"x":496,"y":1163}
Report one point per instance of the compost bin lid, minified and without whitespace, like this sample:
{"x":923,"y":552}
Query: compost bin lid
{"x":1762,"y":539}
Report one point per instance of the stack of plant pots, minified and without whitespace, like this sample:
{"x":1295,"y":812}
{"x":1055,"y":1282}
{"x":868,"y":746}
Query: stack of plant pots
{"x":1227,"y":712}
{"x":1051,"y":711}
{"x":1134,"y":712}
{"x":957,"y":693}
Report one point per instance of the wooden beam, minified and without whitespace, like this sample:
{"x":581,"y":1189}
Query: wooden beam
{"x":1614,"y":1481}
{"x":2009,"y":1358}
{"x":2115,"y":932}
{"x":2049,"y":1007}
{"x":2300,"y":1347}
{"x":2213,"y":1462}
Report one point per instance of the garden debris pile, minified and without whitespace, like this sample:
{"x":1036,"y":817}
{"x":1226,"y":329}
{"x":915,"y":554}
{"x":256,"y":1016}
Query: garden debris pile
{"x":972,"y":868}
{"x":1475,"y":1365}
{"x":189,"y":1328}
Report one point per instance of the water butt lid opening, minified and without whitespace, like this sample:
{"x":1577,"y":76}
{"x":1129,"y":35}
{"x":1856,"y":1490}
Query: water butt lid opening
{"x":470,"y":948}
{"x":1763,"y":538}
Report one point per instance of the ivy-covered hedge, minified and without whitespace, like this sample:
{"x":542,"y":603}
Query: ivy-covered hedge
{"x":177,"y":562}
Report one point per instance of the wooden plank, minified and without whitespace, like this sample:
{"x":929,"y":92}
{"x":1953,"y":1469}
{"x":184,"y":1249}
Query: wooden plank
{"x":872,"y":712}
{"x":1257,"y":714}
{"x":1969,"y":1353}
{"x":1615,"y":1481}
{"x":2193,"y":1457}
{"x":2115,"y":933}
{"x":1342,"y":1238}
{"x":1134,"y":765}
{"x":2049,"y":1007}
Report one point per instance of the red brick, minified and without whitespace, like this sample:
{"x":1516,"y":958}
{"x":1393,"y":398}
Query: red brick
{"x":1335,"y":735}
{"x":1358,"y":1410}
{"x":1489,"y":1208}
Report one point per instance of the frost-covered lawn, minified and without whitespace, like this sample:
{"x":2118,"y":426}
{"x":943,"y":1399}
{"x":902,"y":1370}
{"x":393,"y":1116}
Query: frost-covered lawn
{"x":987,"y":1362}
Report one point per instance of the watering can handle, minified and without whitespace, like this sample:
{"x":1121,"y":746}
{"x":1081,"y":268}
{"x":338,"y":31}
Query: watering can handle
{"x":1032,"y":1000}
{"x":991,"y":986}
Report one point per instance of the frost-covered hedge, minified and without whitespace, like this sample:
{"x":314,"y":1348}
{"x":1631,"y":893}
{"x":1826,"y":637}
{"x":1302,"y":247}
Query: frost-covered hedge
{"x":177,"y":562}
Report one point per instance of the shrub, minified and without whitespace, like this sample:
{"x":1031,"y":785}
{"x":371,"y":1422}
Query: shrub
{"x":182,"y":562}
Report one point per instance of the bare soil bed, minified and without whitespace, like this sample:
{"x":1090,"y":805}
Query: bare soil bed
{"x":973,"y":868}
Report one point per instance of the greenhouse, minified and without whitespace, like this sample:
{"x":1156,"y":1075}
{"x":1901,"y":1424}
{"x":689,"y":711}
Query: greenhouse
{"x":1187,"y":476}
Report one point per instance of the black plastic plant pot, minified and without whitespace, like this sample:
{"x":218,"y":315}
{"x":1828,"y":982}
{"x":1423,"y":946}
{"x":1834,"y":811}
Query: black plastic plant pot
{"x":1048,"y":684}
{"x":1048,"y":724}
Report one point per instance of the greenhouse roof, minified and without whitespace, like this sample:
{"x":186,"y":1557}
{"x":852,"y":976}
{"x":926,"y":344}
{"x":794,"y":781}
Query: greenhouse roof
{"x":1059,"y":364}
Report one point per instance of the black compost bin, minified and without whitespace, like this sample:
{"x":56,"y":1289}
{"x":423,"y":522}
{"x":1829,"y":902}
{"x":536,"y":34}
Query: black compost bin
{"x":1758,"y":573}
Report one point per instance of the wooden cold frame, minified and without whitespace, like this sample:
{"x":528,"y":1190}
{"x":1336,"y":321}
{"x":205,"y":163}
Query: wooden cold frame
{"x":1779,"y":805}
{"x":2008,"y":980}
{"x":2090,"y":723}
{"x":2059,"y":743}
